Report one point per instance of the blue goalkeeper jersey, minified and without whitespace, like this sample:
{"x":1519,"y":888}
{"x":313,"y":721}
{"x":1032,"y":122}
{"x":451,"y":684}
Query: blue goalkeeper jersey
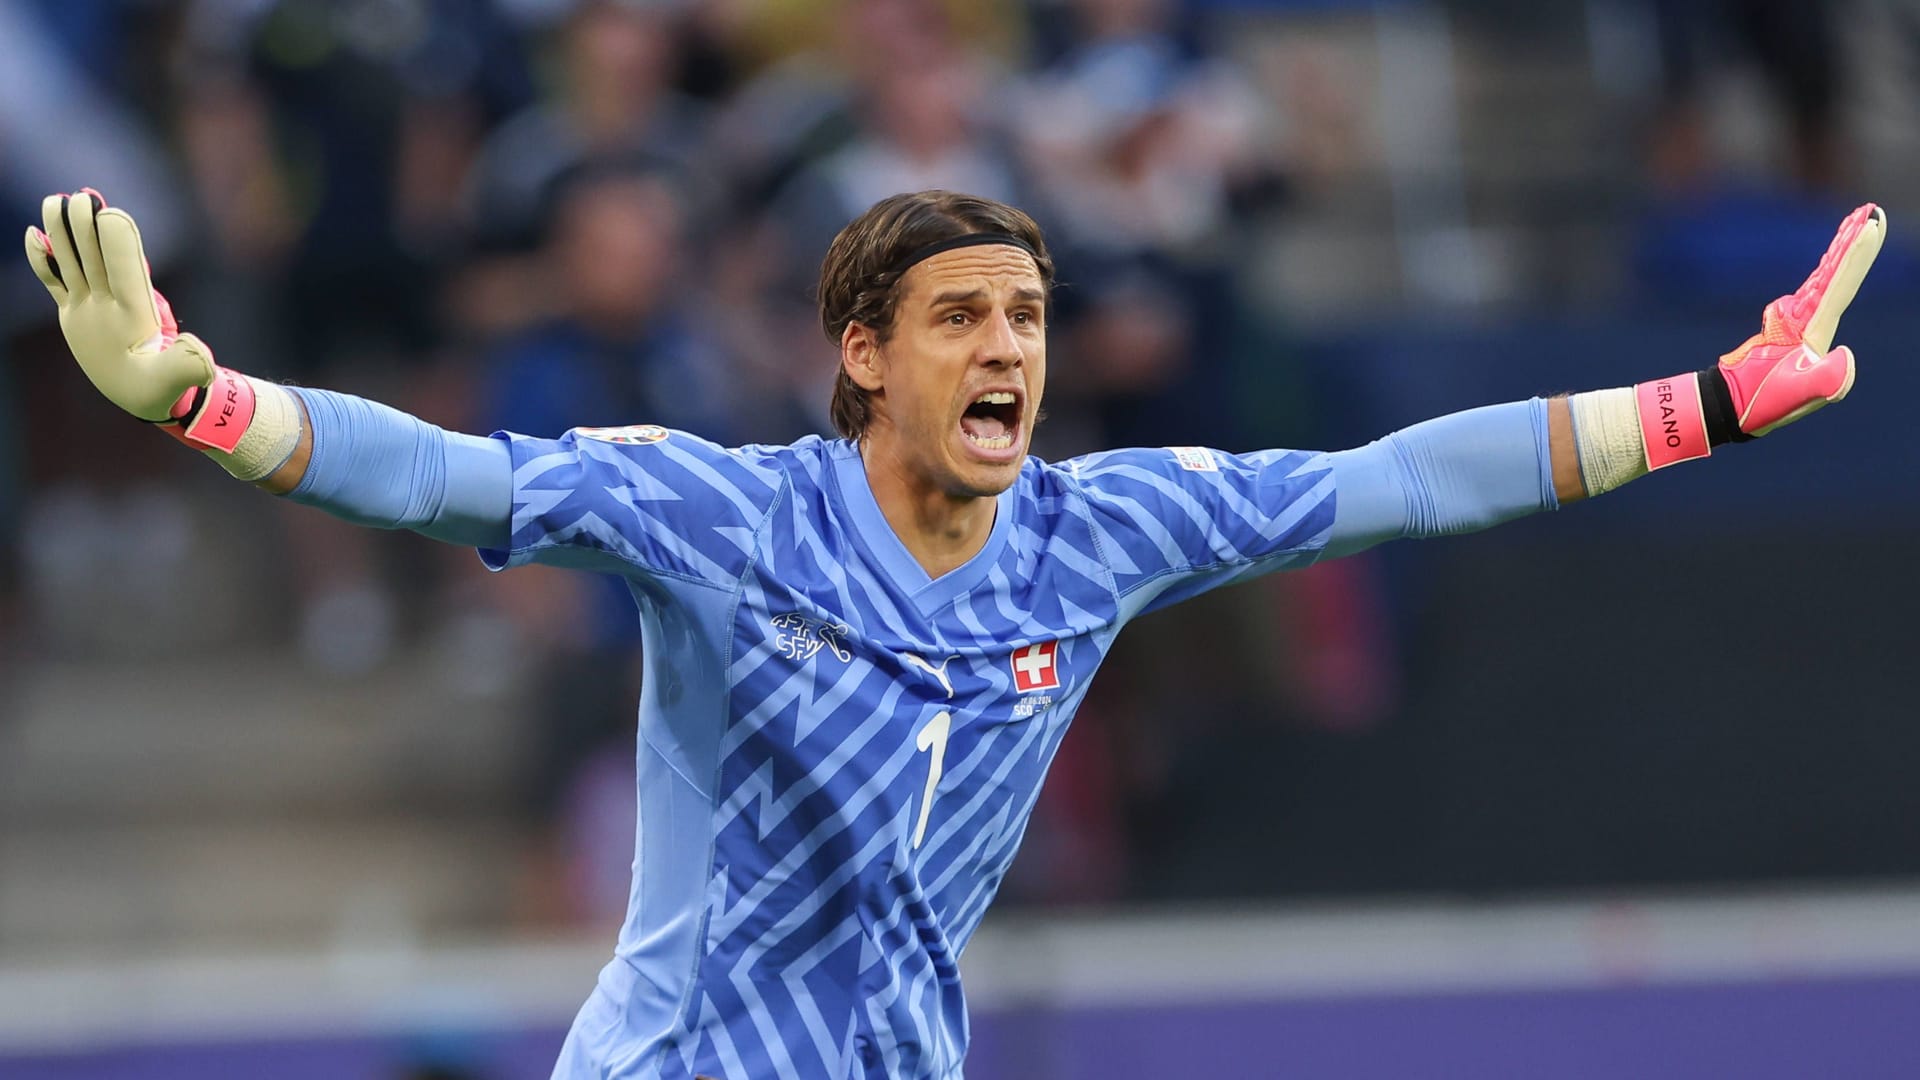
{"x":837,"y":754}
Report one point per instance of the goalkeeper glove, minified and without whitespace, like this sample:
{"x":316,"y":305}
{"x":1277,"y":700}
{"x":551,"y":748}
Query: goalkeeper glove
{"x":123,"y":333}
{"x":1790,"y":367}
{"x":1787,"y":370}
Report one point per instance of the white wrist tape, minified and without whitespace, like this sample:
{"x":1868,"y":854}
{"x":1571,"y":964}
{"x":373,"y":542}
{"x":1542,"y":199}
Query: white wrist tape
{"x":1606,"y":432}
{"x":269,"y":438}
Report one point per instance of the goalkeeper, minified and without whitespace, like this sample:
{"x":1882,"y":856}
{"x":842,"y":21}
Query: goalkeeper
{"x":862,"y":652}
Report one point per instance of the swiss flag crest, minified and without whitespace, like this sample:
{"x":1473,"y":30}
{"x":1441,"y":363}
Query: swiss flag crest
{"x":1033,"y":667}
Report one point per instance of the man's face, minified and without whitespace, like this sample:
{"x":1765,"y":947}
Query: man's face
{"x":956,"y":386}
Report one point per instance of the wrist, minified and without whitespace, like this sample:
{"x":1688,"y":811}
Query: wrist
{"x":214,"y":416}
{"x":1672,"y":420}
{"x":249,"y":426}
{"x":1626,"y":432}
{"x":1607,"y":438}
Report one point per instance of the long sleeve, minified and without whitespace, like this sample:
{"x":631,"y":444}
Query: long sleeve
{"x":1457,"y":473}
{"x":375,"y":465}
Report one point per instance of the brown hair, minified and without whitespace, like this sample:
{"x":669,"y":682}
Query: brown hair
{"x":860,"y":279}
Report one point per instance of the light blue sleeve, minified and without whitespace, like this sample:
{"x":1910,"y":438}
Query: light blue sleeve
{"x":375,"y":465}
{"x":1457,"y":473}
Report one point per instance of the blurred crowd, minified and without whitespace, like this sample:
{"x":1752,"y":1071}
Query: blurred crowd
{"x":536,"y":214}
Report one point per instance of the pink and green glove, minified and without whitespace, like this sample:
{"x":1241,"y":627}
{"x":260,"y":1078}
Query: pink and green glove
{"x":123,"y":333}
{"x":1787,"y":370}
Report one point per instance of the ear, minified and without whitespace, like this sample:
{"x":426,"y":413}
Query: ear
{"x":860,"y":356}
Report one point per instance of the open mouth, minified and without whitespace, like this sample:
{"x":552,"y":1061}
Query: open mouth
{"x":993,"y":420}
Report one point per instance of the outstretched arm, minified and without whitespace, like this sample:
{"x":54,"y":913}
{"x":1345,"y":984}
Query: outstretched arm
{"x":362,"y":461}
{"x":1458,"y":473}
{"x":1474,"y":469}
{"x":377,"y":466}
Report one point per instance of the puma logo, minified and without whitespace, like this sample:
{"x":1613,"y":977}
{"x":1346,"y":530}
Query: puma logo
{"x":937,"y":672}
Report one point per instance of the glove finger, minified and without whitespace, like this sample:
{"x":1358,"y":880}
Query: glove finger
{"x":1858,"y":244}
{"x":156,"y":379}
{"x":126,"y":263}
{"x":53,"y":218}
{"x":38,"y":248}
{"x":81,"y":206}
{"x":184,"y":364}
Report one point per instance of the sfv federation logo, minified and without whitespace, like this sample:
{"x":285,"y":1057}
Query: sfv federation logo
{"x":798,"y":637}
{"x":631,"y":435}
{"x":1034,"y":669}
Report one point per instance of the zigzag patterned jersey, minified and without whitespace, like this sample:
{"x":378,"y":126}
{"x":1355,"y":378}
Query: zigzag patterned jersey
{"x":838,"y":755}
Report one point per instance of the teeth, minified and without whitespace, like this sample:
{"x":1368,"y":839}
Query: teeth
{"x":997,"y":442}
{"x":997,"y":397}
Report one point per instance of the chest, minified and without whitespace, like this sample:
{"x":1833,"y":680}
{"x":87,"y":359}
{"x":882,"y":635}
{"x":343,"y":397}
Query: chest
{"x":830,"y":665}
{"x":915,"y":723}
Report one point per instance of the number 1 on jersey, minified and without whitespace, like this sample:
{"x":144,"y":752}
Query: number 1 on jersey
{"x":932,"y":737}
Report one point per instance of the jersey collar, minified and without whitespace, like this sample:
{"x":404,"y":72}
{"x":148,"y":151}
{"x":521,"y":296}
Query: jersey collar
{"x":883,"y":548}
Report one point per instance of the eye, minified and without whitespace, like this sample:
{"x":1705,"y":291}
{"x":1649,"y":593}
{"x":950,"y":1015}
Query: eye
{"x":1023,"y":318}
{"x":957,"y":318}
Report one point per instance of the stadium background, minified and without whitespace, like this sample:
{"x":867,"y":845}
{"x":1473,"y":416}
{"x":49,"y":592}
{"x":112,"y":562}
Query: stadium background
{"x":1626,"y":790}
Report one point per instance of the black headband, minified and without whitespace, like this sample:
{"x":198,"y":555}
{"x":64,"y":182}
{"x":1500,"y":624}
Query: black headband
{"x":920,"y":254}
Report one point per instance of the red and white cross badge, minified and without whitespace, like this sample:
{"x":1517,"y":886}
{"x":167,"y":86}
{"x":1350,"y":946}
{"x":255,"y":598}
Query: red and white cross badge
{"x":1033,"y":667}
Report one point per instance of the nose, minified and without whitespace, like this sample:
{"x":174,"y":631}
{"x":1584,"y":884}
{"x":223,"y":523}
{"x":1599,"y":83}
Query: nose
{"x":1000,"y":346}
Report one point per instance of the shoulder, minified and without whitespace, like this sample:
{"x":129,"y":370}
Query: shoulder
{"x":1192,"y":488}
{"x":1106,"y":471}
{"x":1163,"y":467}
{"x":802,"y":463}
{"x":645,"y":457}
{"x":1051,"y":503}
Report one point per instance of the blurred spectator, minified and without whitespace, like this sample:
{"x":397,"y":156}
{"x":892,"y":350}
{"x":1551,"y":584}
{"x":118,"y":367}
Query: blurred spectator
{"x":801,"y":99}
{"x":64,"y":75}
{"x":771,"y":329}
{"x":914,"y":113}
{"x":920,"y":127}
{"x":614,"y":99}
{"x":1791,"y":47}
{"x":382,"y":197}
{"x":1731,"y":222}
{"x":1138,"y":137}
{"x":12,"y":493}
{"x":624,"y":347}
{"x":1139,"y":141}
{"x":369,"y":112}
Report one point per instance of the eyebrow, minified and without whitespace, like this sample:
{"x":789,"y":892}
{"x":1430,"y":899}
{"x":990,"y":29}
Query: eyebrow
{"x":1031,"y":296}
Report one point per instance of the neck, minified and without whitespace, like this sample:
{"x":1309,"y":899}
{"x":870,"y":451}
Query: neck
{"x":941,"y":531}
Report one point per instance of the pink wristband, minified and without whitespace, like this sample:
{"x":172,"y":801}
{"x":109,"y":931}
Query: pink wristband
{"x":226,"y":408}
{"x":1673,"y":423}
